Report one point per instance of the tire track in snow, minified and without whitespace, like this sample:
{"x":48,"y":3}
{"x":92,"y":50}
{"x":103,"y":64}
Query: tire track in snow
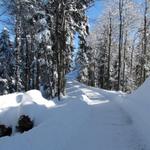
{"x":110,"y":123}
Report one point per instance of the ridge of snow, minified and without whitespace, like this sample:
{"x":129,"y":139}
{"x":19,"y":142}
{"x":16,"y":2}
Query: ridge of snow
{"x":137,"y":105}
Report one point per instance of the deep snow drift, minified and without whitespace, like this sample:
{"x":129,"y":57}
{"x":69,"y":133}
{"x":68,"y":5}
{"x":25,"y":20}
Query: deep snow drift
{"x":31,"y":103}
{"x":86,"y":119}
{"x":137,"y":105}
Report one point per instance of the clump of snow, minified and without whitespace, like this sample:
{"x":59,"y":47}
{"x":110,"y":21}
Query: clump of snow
{"x":30,"y":103}
{"x":43,"y":35}
{"x":5,"y":29}
{"x":49,"y":47}
{"x":41,"y":12}
{"x":43,"y":22}
{"x":37,"y":97}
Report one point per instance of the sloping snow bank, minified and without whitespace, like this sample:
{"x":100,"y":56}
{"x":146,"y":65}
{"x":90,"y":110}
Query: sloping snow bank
{"x":137,"y":105}
{"x":55,"y":124}
{"x":31,"y":103}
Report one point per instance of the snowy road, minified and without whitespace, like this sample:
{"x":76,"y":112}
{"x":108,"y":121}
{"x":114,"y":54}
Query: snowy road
{"x":86,"y":119}
{"x":107,"y":126}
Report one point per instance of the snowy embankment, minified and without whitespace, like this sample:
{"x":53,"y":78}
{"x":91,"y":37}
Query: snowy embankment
{"x":137,"y":105}
{"x":86,"y":119}
{"x":31,"y":103}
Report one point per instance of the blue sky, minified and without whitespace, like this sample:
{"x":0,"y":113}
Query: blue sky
{"x":3,"y":23}
{"x":92,"y":13}
{"x":3,"y":17}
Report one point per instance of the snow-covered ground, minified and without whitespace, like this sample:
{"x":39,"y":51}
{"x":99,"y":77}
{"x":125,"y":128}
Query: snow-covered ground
{"x":86,"y":119}
{"x":137,"y":105}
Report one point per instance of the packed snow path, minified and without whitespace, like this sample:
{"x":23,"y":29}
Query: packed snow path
{"x":108,"y":126}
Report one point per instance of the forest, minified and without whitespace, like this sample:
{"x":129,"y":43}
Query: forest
{"x":113,"y":55}
{"x":74,"y":74}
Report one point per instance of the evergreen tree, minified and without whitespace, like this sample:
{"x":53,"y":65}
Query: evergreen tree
{"x":6,"y":63}
{"x":44,"y":42}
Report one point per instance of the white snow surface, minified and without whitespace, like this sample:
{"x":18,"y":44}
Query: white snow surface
{"x":137,"y":105}
{"x":43,"y":35}
{"x":85,"y":119}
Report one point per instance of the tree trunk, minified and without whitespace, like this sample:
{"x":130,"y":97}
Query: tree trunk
{"x":145,"y":40}
{"x":109,"y":50}
{"x":27,"y":65}
{"x":120,"y":42}
{"x":124,"y":61}
{"x":17,"y":52}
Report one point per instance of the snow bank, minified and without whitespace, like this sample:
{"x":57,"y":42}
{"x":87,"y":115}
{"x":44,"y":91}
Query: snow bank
{"x":31,"y":103}
{"x":87,"y":118}
{"x":55,"y":124}
{"x":137,"y":105}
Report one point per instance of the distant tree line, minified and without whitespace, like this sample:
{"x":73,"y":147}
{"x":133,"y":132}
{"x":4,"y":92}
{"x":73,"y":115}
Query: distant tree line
{"x":116,"y":54}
